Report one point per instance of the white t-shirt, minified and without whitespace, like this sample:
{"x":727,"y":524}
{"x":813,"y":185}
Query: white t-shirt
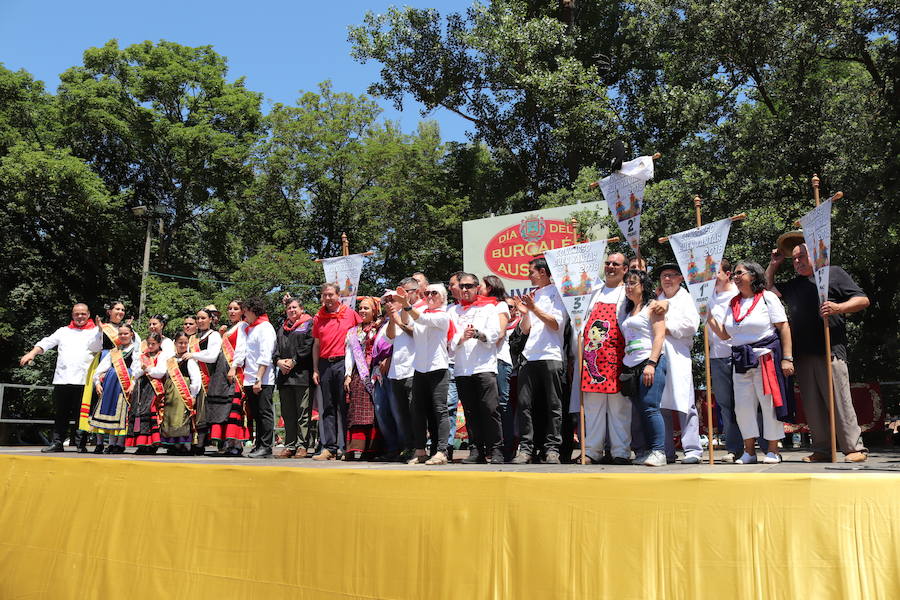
{"x":718,"y":305}
{"x":758,"y":324}
{"x":503,"y":351}
{"x":402,"y":356}
{"x":638,"y":336}
{"x":544,"y":343}
{"x":474,"y":356}
{"x":430,"y":335}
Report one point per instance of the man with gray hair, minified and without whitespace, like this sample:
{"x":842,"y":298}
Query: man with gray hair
{"x":401,"y":371}
{"x":806,"y":315}
{"x":77,"y":342}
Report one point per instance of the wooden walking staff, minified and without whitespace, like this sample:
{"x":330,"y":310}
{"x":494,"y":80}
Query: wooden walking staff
{"x":576,"y":377}
{"x":710,"y":428}
{"x":345,"y":248}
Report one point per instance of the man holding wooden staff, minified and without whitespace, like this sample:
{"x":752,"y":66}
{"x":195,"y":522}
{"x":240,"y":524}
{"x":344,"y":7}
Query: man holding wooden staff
{"x":807,"y":330}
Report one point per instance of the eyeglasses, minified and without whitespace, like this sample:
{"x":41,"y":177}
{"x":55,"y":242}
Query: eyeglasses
{"x":432,"y":293}
{"x":468,"y":286}
{"x":669,"y":275}
{"x":410,"y":290}
{"x":610,"y":263}
{"x":736,"y":274}
{"x":632,"y":283}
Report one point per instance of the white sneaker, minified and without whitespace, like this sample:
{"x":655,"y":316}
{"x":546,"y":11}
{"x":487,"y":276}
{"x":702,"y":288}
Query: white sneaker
{"x":728,"y":458}
{"x":655,"y":459}
{"x":690,"y":460}
{"x":746,"y":459}
{"x":771,"y":458}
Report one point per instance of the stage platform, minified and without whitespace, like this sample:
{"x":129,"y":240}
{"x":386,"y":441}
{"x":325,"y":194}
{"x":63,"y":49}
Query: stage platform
{"x":85,"y":526}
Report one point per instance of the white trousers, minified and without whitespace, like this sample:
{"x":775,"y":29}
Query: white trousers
{"x":602,"y":413}
{"x":748,"y":395}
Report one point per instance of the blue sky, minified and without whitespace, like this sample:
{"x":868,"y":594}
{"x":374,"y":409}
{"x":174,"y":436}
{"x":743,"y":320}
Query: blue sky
{"x":281,"y":47}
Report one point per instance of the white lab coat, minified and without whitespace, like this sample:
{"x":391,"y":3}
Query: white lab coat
{"x":682,"y":323}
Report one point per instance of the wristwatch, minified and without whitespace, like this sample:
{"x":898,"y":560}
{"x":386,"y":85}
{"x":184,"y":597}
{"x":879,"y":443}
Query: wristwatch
{"x":788,"y":358}
{"x":652,"y":363}
{"x":407,"y":308}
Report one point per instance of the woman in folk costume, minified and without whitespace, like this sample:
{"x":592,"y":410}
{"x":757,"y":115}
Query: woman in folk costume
{"x":157,"y":324}
{"x":359,"y":381}
{"x":112,"y":382}
{"x":214,"y":399}
{"x":233,"y":430}
{"x":183,"y":383}
{"x":115,"y":315}
{"x":147,"y":394}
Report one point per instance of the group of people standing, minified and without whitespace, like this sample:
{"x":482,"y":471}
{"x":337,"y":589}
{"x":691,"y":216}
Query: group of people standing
{"x":387,"y":378}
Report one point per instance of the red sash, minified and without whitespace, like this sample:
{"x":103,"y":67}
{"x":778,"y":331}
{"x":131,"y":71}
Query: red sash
{"x":156,"y":384}
{"x":118,"y":363}
{"x":181,"y":385}
{"x":604,"y":347}
{"x":194,"y":345}
{"x":229,"y":341}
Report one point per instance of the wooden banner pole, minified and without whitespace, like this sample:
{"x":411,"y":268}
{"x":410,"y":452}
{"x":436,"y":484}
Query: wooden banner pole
{"x":825,"y":324}
{"x":710,"y":427}
{"x":739,"y":217}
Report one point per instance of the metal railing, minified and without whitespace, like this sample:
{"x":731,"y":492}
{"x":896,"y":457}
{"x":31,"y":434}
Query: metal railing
{"x":30,"y":388}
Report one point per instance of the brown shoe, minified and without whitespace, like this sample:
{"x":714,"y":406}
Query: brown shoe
{"x":285,"y":453}
{"x":815,"y":457}
{"x":325,"y":454}
{"x":856,"y":457}
{"x":301,"y":453}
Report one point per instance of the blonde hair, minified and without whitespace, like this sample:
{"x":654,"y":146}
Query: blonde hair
{"x":440,"y":289}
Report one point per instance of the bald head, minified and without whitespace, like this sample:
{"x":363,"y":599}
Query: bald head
{"x":614,"y":269}
{"x":80,"y":314}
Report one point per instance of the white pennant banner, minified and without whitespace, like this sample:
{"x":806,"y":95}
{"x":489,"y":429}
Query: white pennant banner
{"x":699,"y":252}
{"x":624,"y":193}
{"x":345,"y":272}
{"x":576,"y":274}
{"x":816,"y":226}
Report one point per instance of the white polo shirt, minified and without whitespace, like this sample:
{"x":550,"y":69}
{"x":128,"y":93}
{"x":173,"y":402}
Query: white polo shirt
{"x":475,"y":356}
{"x":544,"y":343}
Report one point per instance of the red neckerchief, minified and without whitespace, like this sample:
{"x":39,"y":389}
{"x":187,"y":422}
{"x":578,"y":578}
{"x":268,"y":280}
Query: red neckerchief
{"x":259,"y":319}
{"x":89,"y":324}
{"x":289,"y":327}
{"x":736,"y":306}
{"x":324,"y":314}
{"x":513,"y":324}
{"x":479,"y":301}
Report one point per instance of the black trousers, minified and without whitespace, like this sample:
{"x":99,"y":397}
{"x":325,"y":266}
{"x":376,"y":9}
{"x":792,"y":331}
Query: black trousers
{"x":481,"y":402}
{"x":430,"y":398}
{"x":296,"y":408}
{"x":261,"y":407}
{"x":333,"y":420}
{"x":540,"y":385}
{"x":403,"y":397}
{"x":66,"y":404}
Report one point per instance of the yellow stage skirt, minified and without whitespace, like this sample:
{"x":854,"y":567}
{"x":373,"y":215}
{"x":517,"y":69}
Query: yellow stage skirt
{"x":94,"y":528}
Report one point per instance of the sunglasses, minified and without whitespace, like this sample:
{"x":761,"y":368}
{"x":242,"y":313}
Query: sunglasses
{"x":736,"y":274}
{"x":432,"y":293}
{"x":468,"y":286}
{"x":410,"y":291}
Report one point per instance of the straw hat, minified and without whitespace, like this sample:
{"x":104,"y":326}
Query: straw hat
{"x":788,"y":241}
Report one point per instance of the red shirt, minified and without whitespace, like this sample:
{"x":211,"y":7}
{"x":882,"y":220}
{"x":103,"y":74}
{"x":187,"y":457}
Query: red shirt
{"x":331,"y":330}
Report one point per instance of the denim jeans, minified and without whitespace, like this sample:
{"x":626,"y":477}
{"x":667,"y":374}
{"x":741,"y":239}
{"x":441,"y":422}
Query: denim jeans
{"x":452,"y":405}
{"x":647,"y":402}
{"x":507,"y":414}
{"x":388,"y":420}
{"x":723,"y":392}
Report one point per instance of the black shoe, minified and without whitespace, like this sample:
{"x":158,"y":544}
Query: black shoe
{"x":118,"y":450}
{"x":98,"y":449}
{"x":233,"y":452}
{"x":497,"y":457}
{"x":474,"y":458}
{"x":53,"y":447}
{"x":82,"y":450}
{"x":261,"y":453}
{"x":108,"y":450}
{"x":551,"y":458}
{"x":198,"y":450}
{"x":387,"y":457}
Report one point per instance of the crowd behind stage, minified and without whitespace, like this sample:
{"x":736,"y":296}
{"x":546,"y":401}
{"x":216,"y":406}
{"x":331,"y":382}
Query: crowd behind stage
{"x":389,"y":376}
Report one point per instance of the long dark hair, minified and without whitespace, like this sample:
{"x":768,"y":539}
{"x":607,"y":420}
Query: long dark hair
{"x":646,"y":289}
{"x":495,"y":287}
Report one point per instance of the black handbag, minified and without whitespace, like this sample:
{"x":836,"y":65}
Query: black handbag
{"x":630,"y":380}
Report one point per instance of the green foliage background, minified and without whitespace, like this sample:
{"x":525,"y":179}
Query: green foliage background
{"x":745,"y":101}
